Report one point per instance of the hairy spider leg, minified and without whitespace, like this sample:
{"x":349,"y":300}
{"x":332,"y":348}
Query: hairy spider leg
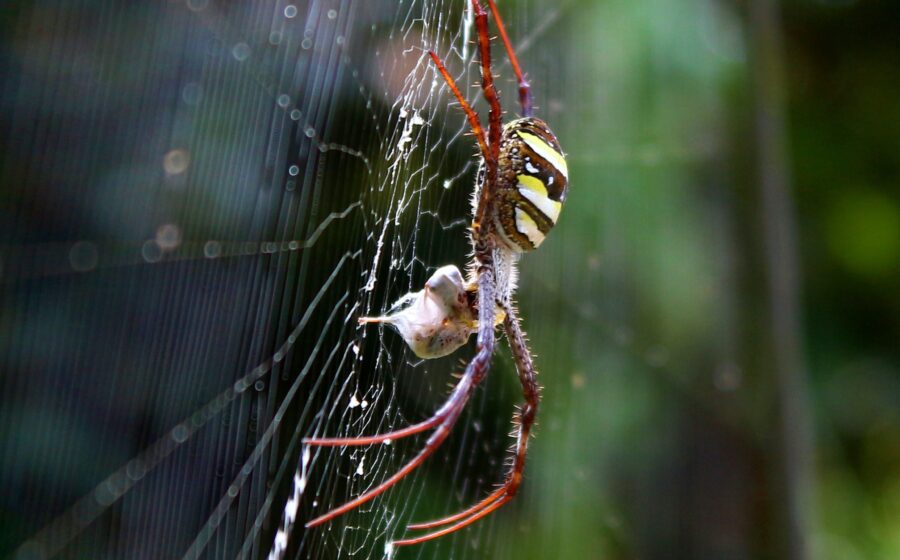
{"x":381,"y":438}
{"x":531,"y":390}
{"x":492,"y":497}
{"x":490,"y":144}
{"x":490,"y":94}
{"x":437,"y":438}
{"x":453,"y":528}
{"x":525,"y":420}
{"x":524,"y":86}
{"x":470,"y":113}
{"x":475,"y":372}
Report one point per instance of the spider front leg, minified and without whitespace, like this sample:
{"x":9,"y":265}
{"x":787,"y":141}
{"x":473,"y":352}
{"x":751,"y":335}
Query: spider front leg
{"x":495,"y":113}
{"x":443,"y":420}
{"x":524,"y":86}
{"x":467,"y":109}
{"x":525,"y":420}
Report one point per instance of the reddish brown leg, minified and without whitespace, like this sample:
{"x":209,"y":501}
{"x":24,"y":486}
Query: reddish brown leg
{"x":530,"y":390}
{"x":438,"y":417}
{"x":453,"y":528}
{"x":490,"y":145}
{"x":470,"y":113}
{"x":487,"y":86}
{"x":525,"y":420}
{"x":524,"y":86}
{"x":444,"y":419}
{"x":436,"y":439}
{"x":494,"y":117}
{"x":461,"y":515}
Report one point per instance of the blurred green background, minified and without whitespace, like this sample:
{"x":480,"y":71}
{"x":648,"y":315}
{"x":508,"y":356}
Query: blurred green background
{"x":715,"y":317}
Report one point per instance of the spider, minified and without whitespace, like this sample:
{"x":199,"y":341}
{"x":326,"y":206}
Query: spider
{"x":521,"y":184}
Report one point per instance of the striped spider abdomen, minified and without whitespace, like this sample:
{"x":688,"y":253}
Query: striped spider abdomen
{"x":532,"y":183}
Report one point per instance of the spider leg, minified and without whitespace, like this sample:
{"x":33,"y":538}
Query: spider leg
{"x":461,"y":515}
{"x":524,"y":86}
{"x":453,"y":528}
{"x":494,"y":117}
{"x":470,"y":113}
{"x":436,"y":439}
{"x":487,"y":86}
{"x":446,"y":416}
{"x":531,"y":390}
{"x":438,"y":417}
{"x":525,"y":420}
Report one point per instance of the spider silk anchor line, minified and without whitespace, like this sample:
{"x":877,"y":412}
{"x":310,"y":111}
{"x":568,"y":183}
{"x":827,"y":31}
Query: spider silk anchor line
{"x":521,"y":184}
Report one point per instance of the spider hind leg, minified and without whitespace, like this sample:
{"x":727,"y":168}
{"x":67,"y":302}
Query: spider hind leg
{"x":496,"y":494}
{"x":493,"y":501}
{"x":482,"y":509}
{"x":442,"y":421}
{"x":524,"y":419}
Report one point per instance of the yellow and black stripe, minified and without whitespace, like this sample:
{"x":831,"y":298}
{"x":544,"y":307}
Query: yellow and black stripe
{"x":533,"y":185}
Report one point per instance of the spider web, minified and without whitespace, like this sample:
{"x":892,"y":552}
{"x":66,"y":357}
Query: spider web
{"x":200,"y":200}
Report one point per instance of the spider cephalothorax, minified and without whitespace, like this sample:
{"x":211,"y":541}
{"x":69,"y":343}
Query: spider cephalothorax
{"x":520,"y":187}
